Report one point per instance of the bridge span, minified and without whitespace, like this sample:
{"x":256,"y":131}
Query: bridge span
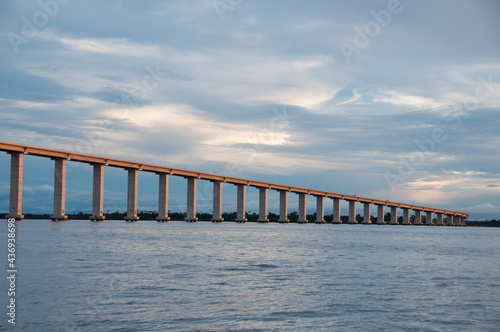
{"x":17,"y":151}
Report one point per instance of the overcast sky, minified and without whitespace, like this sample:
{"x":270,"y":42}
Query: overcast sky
{"x":391,"y":99}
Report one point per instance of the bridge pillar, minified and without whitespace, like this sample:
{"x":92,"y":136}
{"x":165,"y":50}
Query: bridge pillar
{"x":16,"y":186}
{"x":418,"y":217}
{"x":132,"y":195}
{"x":352,"y":212}
{"x":380,"y":214}
{"x":59,"y":190}
{"x":439,"y":221}
{"x":394,"y":215}
{"x":429,"y":219}
{"x":240,"y":201}
{"x":163,"y":198}
{"x":336,"y":211}
{"x":406,"y":216}
{"x":97,"y":193}
{"x":191,"y":200}
{"x":302,"y":209}
{"x":449,"y":220}
{"x":459,"y":221}
{"x":366,"y":213}
{"x":263,"y":206}
{"x":283,"y":207}
{"x":320,"y":210}
{"x":217,"y":200}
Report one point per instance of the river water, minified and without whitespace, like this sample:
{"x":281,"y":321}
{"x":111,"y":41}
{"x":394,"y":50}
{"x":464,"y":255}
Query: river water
{"x":149,"y":276}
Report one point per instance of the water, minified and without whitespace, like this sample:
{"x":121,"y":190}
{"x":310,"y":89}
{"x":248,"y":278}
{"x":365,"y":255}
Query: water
{"x":149,"y":276}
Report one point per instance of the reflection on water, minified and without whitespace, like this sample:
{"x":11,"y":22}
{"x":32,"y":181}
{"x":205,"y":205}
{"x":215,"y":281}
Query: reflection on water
{"x":177,"y":276}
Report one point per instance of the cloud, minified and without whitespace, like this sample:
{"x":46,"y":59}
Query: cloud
{"x":79,"y":83}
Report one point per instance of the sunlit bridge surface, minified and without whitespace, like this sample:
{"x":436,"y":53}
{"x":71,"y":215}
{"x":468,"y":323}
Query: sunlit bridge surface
{"x":17,"y":152}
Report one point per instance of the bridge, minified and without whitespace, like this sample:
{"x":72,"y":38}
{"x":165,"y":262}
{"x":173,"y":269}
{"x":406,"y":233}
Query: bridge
{"x":17,"y":151}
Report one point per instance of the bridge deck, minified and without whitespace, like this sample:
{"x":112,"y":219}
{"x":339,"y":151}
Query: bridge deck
{"x":84,"y":158}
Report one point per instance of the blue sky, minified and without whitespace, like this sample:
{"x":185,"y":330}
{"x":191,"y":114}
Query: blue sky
{"x":391,"y":99}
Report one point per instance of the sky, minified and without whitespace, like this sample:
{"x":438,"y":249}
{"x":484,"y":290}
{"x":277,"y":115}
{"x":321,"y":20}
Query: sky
{"x":393,"y":100}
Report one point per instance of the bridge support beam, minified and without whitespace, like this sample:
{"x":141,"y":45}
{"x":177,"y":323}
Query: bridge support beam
{"x":302,"y":209}
{"x":366,"y":213}
{"x":336,"y":211}
{"x":283,"y":207}
{"x":263,"y":206}
{"x":352,"y":212}
{"x":132,"y":195}
{"x":458,"y":221}
{"x":429,"y":218}
{"x":98,"y":193}
{"x":163,"y":198}
{"x":320,"y":210}
{"x":418,"y":217}
{"x":449,"y":220}
{"x":406,"y":216}
{"x":380,"y":214}
{"x":439,"y":221}
{"x":59,"y":190}
{"x":16,"y":186}
{"x":240,"y":203}
{"x":191,"y":200}
{"x":394,"y":215}
{"x":217,"y":202}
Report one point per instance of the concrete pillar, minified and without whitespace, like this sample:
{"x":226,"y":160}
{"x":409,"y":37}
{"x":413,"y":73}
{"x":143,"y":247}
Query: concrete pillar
{"x":98,"y":193}
{"x":336,"y":211}
{"x":217,"y":200}
{"x":263,"y":206}
{"x":283,"y":207}
{"x":352,"y":212}
{"x":366,"y":213}
{"x":394,"y":215}
{"x":240,"y":201}
{"x":406,"y":216}
{"x":191,"y":200}
{"x":418,"y":217}
{"x":439,"y":221}
{"x":380,"y":214}
{"x":302,"y":209}
{"x":449,"y":221}
{"x":320,"y":210}
{"x":16,"y":186}
{"x":59,"y":190}
{"x":428,"y":217}
{"x":163,"y":198}
{"x":132,"y":195}
{"x":459,"y":221}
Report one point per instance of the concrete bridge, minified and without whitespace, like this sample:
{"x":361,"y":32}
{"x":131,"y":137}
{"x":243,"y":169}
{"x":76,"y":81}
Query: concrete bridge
{"x":453,"y":218}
